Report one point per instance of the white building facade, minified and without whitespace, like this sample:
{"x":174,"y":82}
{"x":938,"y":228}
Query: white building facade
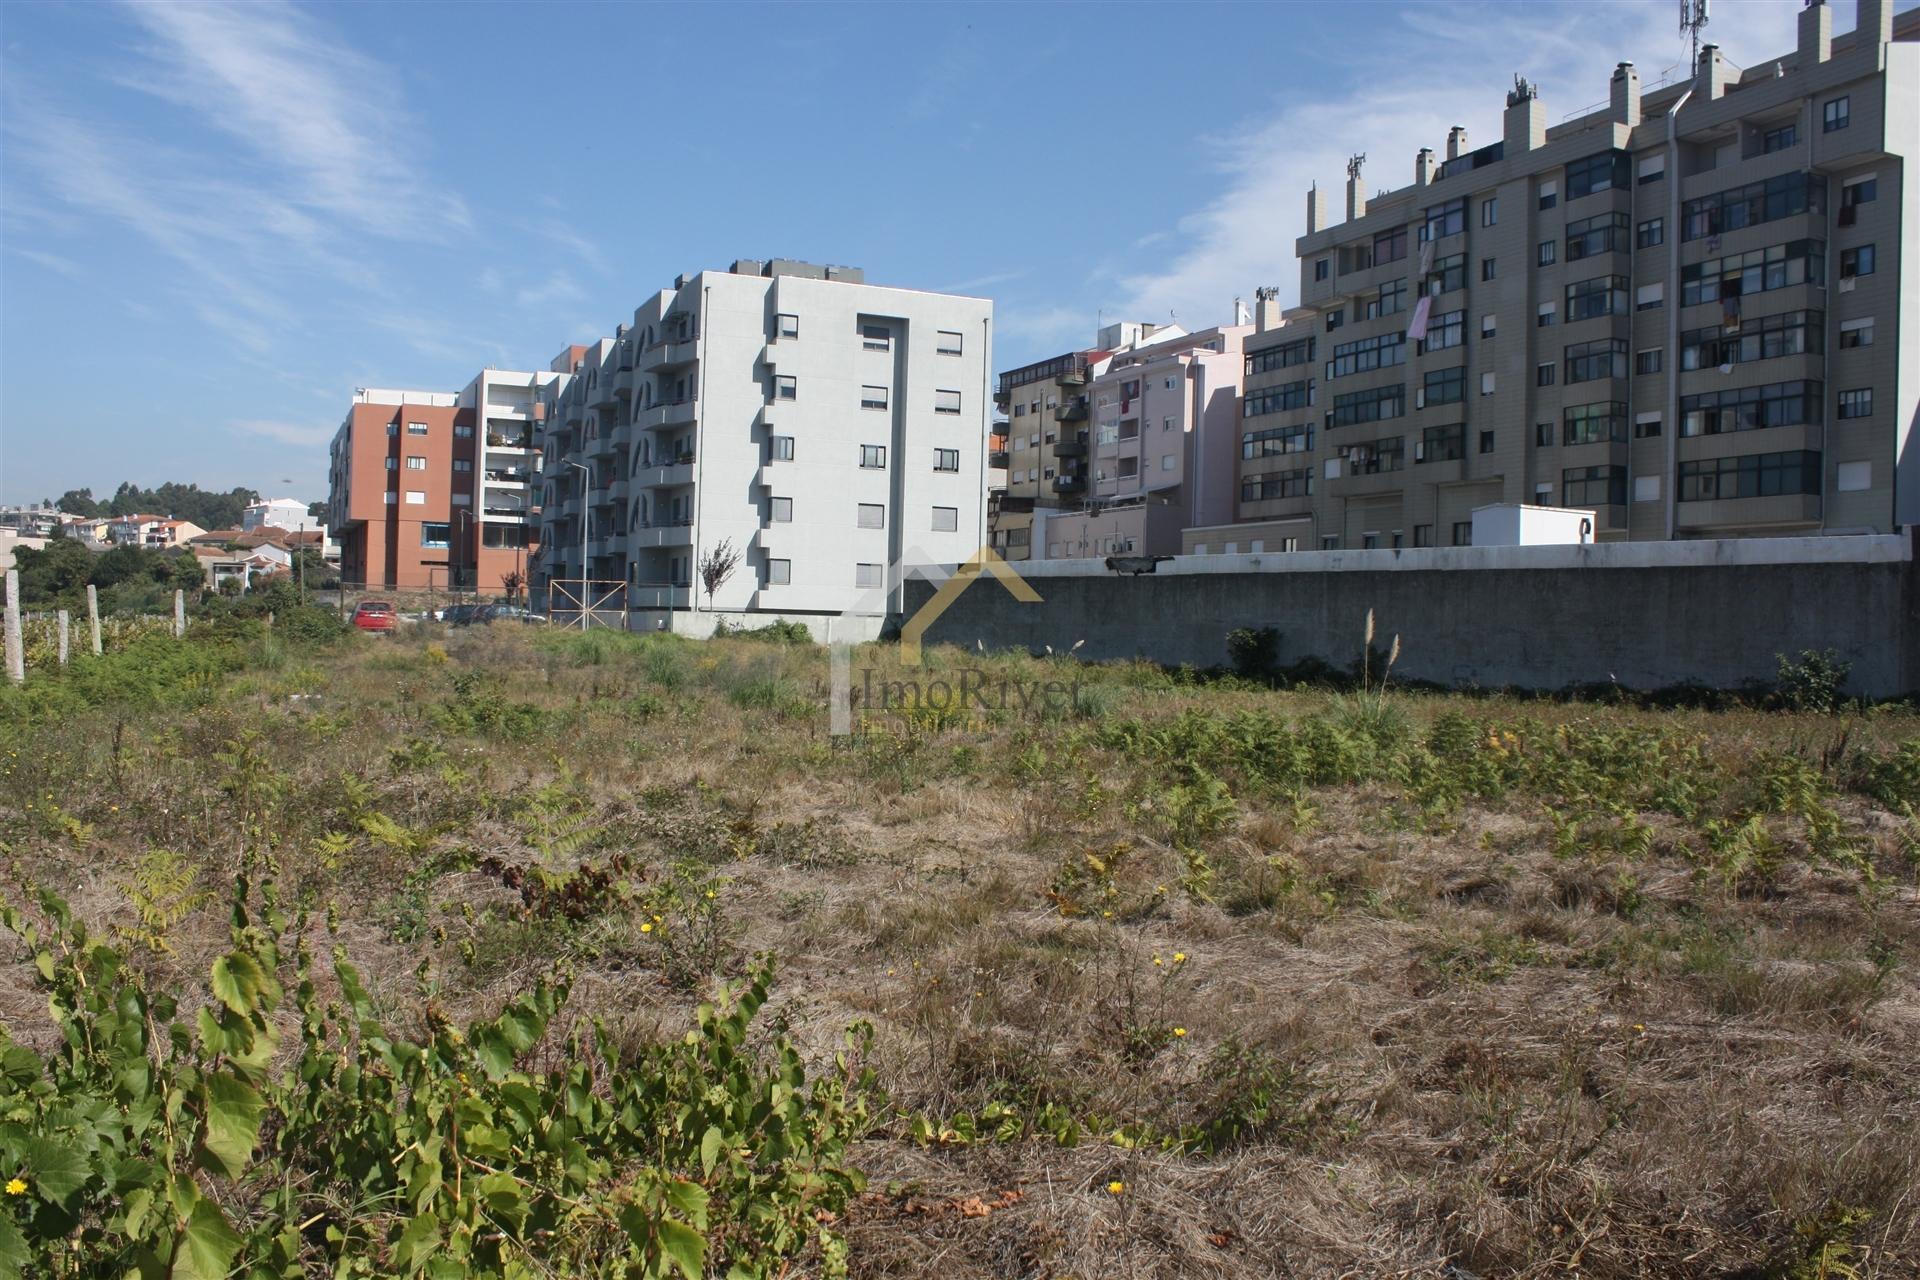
{"x":822,"y":427}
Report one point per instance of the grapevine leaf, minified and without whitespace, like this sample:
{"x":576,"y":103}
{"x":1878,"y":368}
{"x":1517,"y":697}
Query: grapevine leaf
{"x":206,"y":1247}
{"x":234,"y":1109}
{"x":684,"y":1247}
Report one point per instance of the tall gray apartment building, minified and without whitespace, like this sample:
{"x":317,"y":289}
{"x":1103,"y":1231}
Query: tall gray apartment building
{"x":1692,"y":311}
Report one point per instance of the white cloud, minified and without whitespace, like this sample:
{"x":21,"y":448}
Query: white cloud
{"x":1438,"y":73}
{"x":51,"y":261}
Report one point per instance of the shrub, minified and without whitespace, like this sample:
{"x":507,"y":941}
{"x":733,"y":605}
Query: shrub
{"x":1254,"y":651}
{"x":1815,"y":681}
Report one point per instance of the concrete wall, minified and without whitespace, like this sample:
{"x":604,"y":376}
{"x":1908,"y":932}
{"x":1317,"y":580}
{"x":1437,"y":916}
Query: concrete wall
{"x":1645,"y":614}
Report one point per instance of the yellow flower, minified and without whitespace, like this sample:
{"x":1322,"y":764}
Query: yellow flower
{"x":1116,"y":1188}
{"x":1179,"y":1031}
{"x":646,"y":928}
{"x":16,"y":1186}
{"x":1179,"y":957}
{"x":1156,"y":960}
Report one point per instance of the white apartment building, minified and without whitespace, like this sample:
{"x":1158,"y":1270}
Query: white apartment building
{"x":823,"y":427}
{"x":281,"y":513}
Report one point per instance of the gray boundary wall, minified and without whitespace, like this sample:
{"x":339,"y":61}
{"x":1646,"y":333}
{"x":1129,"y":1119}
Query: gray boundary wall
{"x":1645,"y":614}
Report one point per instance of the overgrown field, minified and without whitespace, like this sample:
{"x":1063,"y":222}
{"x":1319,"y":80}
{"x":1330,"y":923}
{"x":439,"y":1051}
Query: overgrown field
{"x":495,"y":952}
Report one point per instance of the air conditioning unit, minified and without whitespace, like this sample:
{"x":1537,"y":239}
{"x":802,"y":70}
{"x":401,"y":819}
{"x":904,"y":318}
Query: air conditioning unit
{"x":1419,"y":451}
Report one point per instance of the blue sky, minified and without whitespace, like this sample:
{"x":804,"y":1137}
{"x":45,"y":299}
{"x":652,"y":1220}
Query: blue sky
{"x":215,"y":222}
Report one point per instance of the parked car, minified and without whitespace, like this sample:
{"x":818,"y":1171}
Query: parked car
{"x":459,"y":615}
{"x":375,"y":615}
{"x":491,"y":613}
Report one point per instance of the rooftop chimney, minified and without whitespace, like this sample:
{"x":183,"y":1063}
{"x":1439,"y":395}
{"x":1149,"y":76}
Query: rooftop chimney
{"x":1356,"y":194}
{"x":1266,"y":301}
{"x":1316,"y":208}
{"x":1526,"y":120}
{"x":1625,"y":95}
{"x":1816,"y":33}
{"x":1710,"y":77}
{"x":1423,"y":167}
{"x":1456,"y":142}
{"x":1873,"y":21}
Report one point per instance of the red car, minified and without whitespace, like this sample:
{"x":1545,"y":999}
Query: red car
{"x":375,"y":615}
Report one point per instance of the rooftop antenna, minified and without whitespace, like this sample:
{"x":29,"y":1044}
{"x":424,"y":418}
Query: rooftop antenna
{"x":1693,"y":19}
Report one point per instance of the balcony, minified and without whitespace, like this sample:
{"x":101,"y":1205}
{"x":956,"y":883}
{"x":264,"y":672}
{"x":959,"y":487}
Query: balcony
{"x":667,"y":413}
{"x":661,"y":533}
{"x":1075,"y":376}
{"x":997,"y":459}
{"x":497,"y":477}
{"x":666,"y":475}
{"x":519,"y":444}
{"x":618,"y":491}
{"x":672,"y":351}
{"x":660,"y":595}
{"x":1069,"y":484}
{"x":1076,"y":447}
{"x":1074,"y":410}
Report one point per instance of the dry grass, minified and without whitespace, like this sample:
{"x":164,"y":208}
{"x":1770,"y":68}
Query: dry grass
{"x":1424,"y":1043}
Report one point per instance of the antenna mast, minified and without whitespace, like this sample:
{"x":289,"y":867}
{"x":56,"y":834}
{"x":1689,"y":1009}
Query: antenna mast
{"x":1693,"y":19}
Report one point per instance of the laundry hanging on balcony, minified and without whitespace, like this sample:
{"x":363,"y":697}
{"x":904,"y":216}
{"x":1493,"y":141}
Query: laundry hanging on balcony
{"x":1417,"y":327}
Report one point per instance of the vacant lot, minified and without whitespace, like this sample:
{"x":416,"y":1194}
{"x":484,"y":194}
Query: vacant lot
{"x":1163,"y":977}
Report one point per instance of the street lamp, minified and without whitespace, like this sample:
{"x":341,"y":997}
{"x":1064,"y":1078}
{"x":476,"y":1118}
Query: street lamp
{"x":586,"y":517}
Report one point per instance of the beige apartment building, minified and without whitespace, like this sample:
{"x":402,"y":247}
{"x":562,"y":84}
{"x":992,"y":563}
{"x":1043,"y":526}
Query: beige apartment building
{"x":1689,"y":312}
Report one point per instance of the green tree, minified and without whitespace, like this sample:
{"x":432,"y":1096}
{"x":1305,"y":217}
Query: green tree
{"x":123,"y":564}
{"x":56,"y":572}
{"x":78,"y":502}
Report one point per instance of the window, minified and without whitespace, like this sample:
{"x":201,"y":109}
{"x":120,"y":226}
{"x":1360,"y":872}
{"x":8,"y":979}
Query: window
{"x":1601,"y":358}
{"x":873,"y":457}
{"x":946,"y":342}
{"x":416,"y":428}
{"x":1489,"y":267}
{"x":1384,"y":455}
{"x":1166,"y":424}
{"x":784,"y":388}
{"x":1834,"y":115}
{"x":1490,"y":211}
{"x":1320,"y":269}
{"x":1359,"y":356}
{"x":1547,"y":253}
{"x":779,"y":572}
{"x":1593,"y":486}
{"x":786,"y":326}
{"x":1020,"y":411}
{"x":1755,"y":475}
{"x":1547,"y":313}
{"x":1329,"y":542}
{"x":1444,"y":220}
{"x":1463,"y":533}
{"x":1855,"y":192}
{"x":1603,"y":171}
{"x":1549,"y":194}
{"x":1368,"y":406}
{"x":1449,"y":273}
{"x":1779,"y":266}
{"x":1600,"y":296}
{"x":1543,"y":374}
{"x":1779,"y":404}
{"x":416,"y":496}
{"x":393,"y":429}
{"x":1652,"y":168}
{"x":1389,"y":246}
{"x":1277,"y":484}
{"x":1778,"y":197}
{"x":876,"y":337}
{"x":1423,"y":535}
{"x":1391,"y":299}
{"x":946,"y":459}
{"x":435,"y":533}
{"x":780,"y":510}
{"x":1336,"y":318}
{"x":1647,"y":360}
{"x":1448,"y":329}
{"x":1651,"y":234}
{"x":946,"y":519}
{"x":1856,"y":333}
{"x":1856,"y":262}
{"x":1444,"y":386}
{"x":1602,"y":233}
{"x":1856,"y":404}
{"x":415,"y":463}
{"x":462,"y":464}
{"x":1293,"y":395}
{"x":1593,"y":423}
{"x":873,"y":515}
{"x":1790,"y":333}
{"x":1274,"y":441}
{"x":464,"y":431}
{"x":1486,"y":383}
{"x":1647,"y":426}
{"x":946,"y":402}
{"x":1486,"y":442}
{"x":1650,"y":296}
{"x":866,"y":575}
{"x":1283,"y":356}
{"x":1778,"y":138}
{"x":873,"y":397}
{"x":1543,"y":434}
{"x":393,"y":464}
{"x":1442,"y":444}
{"x":1167,"y":461}
{"x":780,"y":449}
{"x":1487,"y":326}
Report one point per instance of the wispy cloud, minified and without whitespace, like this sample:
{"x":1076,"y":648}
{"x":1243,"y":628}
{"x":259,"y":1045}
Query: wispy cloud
{"x":981,"y":282}
{"x":52,"y":262}
{"x":556,"y":288}
{"x":294,"y":433}
{"x":1244,"y":236}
